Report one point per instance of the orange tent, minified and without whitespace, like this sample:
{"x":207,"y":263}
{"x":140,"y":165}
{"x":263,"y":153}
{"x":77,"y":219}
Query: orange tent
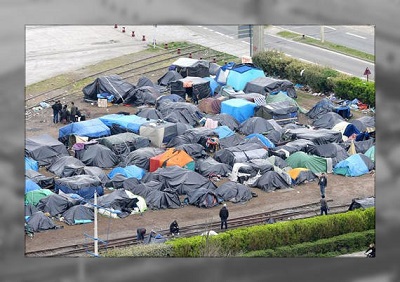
{"x":172,"y":157}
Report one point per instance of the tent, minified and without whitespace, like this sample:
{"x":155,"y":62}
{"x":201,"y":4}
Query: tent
{"x":320,"y":136}
{"x":30,"y":185}
{"x":191,"y":67}
{"x":280,"y":97}
{"x":303,"y":160}
{"x":209,"y":166}
{"x":347,"y":129}
{"x":145,"y":95}
{"x":270,"y":86}
{"x":327,"y":120}
{"x":240,"y":109}
{"x":99,"y":155}
{"x":301,"y":175}
{"x":31,"y":164}
{"x":141,"y":157}
{"x":128,"y":171}
{"x":325,"y":106}
{"x":283,"y":112}
{"x":291,"y":147}
{"x":130,"y":123}
{"x":169,"y":77}
{"x":78,"y":214}
{"x":196,"y":151}
{"x":241,"y":153}
{"x":192,"y":136}
{"x":226,"y":119}
{"x":112,"y":84}
{"x":262,"y":138}
{"x":159,"y":132}
{"x":234,"y":192}
{"x":255,"y":125}
{"x":54,"y":204}
{"x":196,"y":88}
{"x":40,"y":179}
{"x":155,"y":196}
{"x":44,"y":149}
{"x":149,"y":113}
{"x":363,"y":203}
{"x":370,"y":153}
{"x":93,"y":128}
{"x":270,"y":181}
{"x":39,"y":222}
{"x":365,"y":124}
{"x":333,"y":150}
{"x":203,"y":198}
{"x":238,"y":75}
{"x":59,"y":166}
{"x":172,"y":157}
{"x":210,"y":105}
{"x":168,"y":98}
{"x":82,"y":185}
{"x":124,"y":143}
{"x":33,"y":197}
{"x":355,"y":165}
{"x":180,"y":112}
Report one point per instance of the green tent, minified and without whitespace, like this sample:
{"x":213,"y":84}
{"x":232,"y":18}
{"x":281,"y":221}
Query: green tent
{"x":33,"y":197}
{"x":314,"y":163}
{"x":283,"y":97}
{"x":370,"y":153}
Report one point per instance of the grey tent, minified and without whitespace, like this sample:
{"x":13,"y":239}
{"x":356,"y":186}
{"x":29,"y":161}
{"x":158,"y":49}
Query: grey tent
{"x":150,"y":113}
{"x":39,"y":222}
{"x":141,"y":157}
{"x":191,"y":67}
{"x":360,"y":146}
{"x":192,"y":136}
{"x":117,"y":181}
{"x":327,"y":120}
{"x":78,"y":214}
{"x":155,"y":195}
{"x":83,"y":185}
{"x":241,"y":153}
{"x":270,"y":86}
{"x":54,"y":204}
{"x":333,"y":150}
{"x":145,"y":95}
{"x":283,"y":112}
{"x":44,"y":149}
{"x":365,"y":123}
{"x":40,"y":179}
{"x":271,"y":181}
{"x":320,"y":136}
{"x":180,"y":112}
{"x":179,"y":179}
{"x":60,"y":165}
{"x":231,"y":141}
{"x":234,"y":192}
{"x":292,"y":147}
{"x":89,"y":170}
{"x":124,"y":143}
{"x":225,"y":119}
{"x":203,"y":198}
{"x":255,"y":125}
{"x":112,"y":84}
{"x":159,"y":132}
{"x":30,"y":209}
{"x":362,"y":203}
{"x":196,"y":151}
{"x":100,"y":156}
{"x":210,"y":166}
{"x":169,"y":77}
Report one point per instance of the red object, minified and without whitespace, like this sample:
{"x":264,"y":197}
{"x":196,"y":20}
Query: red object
{"x":115,"y":26}
{"x":133,"y":34}
{"x":155,"y":162}
{"x":179,"y":50}
{"x":123,"y":29}
{"x":144,"y":38}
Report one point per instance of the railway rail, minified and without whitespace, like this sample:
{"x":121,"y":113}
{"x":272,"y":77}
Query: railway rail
{"x":303,"y":211}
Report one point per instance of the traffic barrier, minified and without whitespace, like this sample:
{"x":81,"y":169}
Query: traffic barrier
{"x":133,"y":34}
{"x":144,"y":38}
{"x":166,"y":46}
{"x":179,"y":51}
{"x":115,"y":26}
{"x":123,"y":29}
{"x":190,"y":55}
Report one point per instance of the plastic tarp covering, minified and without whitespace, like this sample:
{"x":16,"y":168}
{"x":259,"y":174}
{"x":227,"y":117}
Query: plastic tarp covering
{"x":320,"y":136}
{"x":294,"y":146}
{"x":116,"y":182}
{"x":40,"y":179}
{"x":78,"y":214}
{"x":370,"y":153}
{"x":365,"y":123}
{"x":327,"y":120}
{"x":100,"y":156}
{"x":172,"y":157}
{"x":301,"y":159}
{"x":241,"y":74}
{"x":346,"y":128}
{"x":128,"y":171}
{"x":141,"y":157}
{"x":226,"y":119}
{"x":214,"y":68}
{"x":277,"y":110}
{"x":192,"y":67}
{"x":159,"y":132}
{"x":234,"y":192}
{"x":209,"y":166}
{"x":255,"y":125}
{"x":301,"y":175}
{"x":59,"y":166}
{"x":82,"y":185}
{"x":223,"y":131}
{"x":179,"y":179}
{"x":150,"y":113}
{"x":192,"y":136}
{"x":203,"y":198}
{"x":54,"y":204}
{"x":283,"y":97}
{"x":269,"y":85}
{"x":260,"y":165}
{"x":241,"y":153}
{"x":321,"y":107}
{"x":124,"y":143}
{"x":231,"y":141}
{"x":214,"y":86}
{"x":145,"y":95}
{"x":362,"y":203}
{"x":30,"y":210}
{"x":168,"y":77}
{"x":112,"y":84}
{"x":262,"y":138}
{"x":92,"y":128}
{"x":355,"y":165}
{"x":334,"y":151}
{"x":240,"y":109}
{"x":277,"y":161}
{"x":180,"y":112}
{"x":97,"y":172}
{"x":33,"y":197}
{"x":363,"y":146}
{"x":44,"y":149}
{"x":156,"y":197}
{"x":210,"y":105}
{"x":131,"y":123}
{"x":270,"y":181}
{"x":169,"y":98}
{"x":192,"y":86}
{"x":30,"y":185}
{"x":31,"y":164}
{"x":39,"y":222}
{"x":196,"y":151}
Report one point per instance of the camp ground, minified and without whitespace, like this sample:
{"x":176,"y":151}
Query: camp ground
{"x":193,"y":137}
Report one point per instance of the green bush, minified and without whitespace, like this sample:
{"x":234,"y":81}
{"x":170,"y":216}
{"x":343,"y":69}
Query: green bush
{"x":272,"y":62}
{"x":355,"y":87}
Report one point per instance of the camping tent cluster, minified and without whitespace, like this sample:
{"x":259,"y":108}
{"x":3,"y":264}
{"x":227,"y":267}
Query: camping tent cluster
{"x":168,"y":153}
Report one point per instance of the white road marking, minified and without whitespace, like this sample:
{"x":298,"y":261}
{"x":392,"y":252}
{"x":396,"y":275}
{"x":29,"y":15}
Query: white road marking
{"x":329,"y":27}
{"x":246,"y":42}
{"x":355,"y":35}
{"x":219,"y":33}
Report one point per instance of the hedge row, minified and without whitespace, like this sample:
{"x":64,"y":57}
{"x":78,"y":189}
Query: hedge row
{"x":271,"y":236}
{"x":319,"y":78}
{"x":338,"y":245}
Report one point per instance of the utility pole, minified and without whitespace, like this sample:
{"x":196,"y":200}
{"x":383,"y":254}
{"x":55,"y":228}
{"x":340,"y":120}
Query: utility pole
{"x":322,"y":34}
{"x":258,"y":39}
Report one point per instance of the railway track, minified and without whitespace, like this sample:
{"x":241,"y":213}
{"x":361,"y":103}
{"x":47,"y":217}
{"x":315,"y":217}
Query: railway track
{"x":82,"y":250}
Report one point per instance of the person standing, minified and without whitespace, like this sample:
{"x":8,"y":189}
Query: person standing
{"x":56,"y":110}
{"x":324,"y":205}
{"x":322,"y":182}
{"x":224,"y":214}
{"x":73,"y":112}
{"x":65,"y":115}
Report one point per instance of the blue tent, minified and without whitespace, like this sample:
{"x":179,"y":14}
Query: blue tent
{"x":31,"y":185}
{"x":131,"y":123}
{"x":31,"y":164}
{"x":262,"y":138}
{"x":237,"y":75}
{"x":92,"y":128}
{"x":213,"y":84}
{"x":355,"y":165}
{"x":223,"y":131}
{"x":240,"y":109}
{"x":128,"y":172}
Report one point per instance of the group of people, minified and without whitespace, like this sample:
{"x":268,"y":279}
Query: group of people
{"x":63,"y":115}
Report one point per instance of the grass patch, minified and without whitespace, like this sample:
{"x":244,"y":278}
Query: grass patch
{"x":328,"y":45}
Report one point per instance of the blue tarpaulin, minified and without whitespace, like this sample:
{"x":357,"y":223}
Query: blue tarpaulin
{"x":128,"y":172}
{"x":240,"y":109}
{"x":93,"y":128}
{"x":131,"y":123}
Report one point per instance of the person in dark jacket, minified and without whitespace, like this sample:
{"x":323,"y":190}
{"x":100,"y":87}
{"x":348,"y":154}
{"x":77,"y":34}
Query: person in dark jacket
{"x":322,"y":182}
{"x":64,"y":115}
{"x":324,"y":205}
{"x":224,"y":214}
{"x":74,"y":109}
{"x":174,"y":228}
{"x":140,"y":232}
{"x":56,"y":110}
{"x":370,"y":252}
